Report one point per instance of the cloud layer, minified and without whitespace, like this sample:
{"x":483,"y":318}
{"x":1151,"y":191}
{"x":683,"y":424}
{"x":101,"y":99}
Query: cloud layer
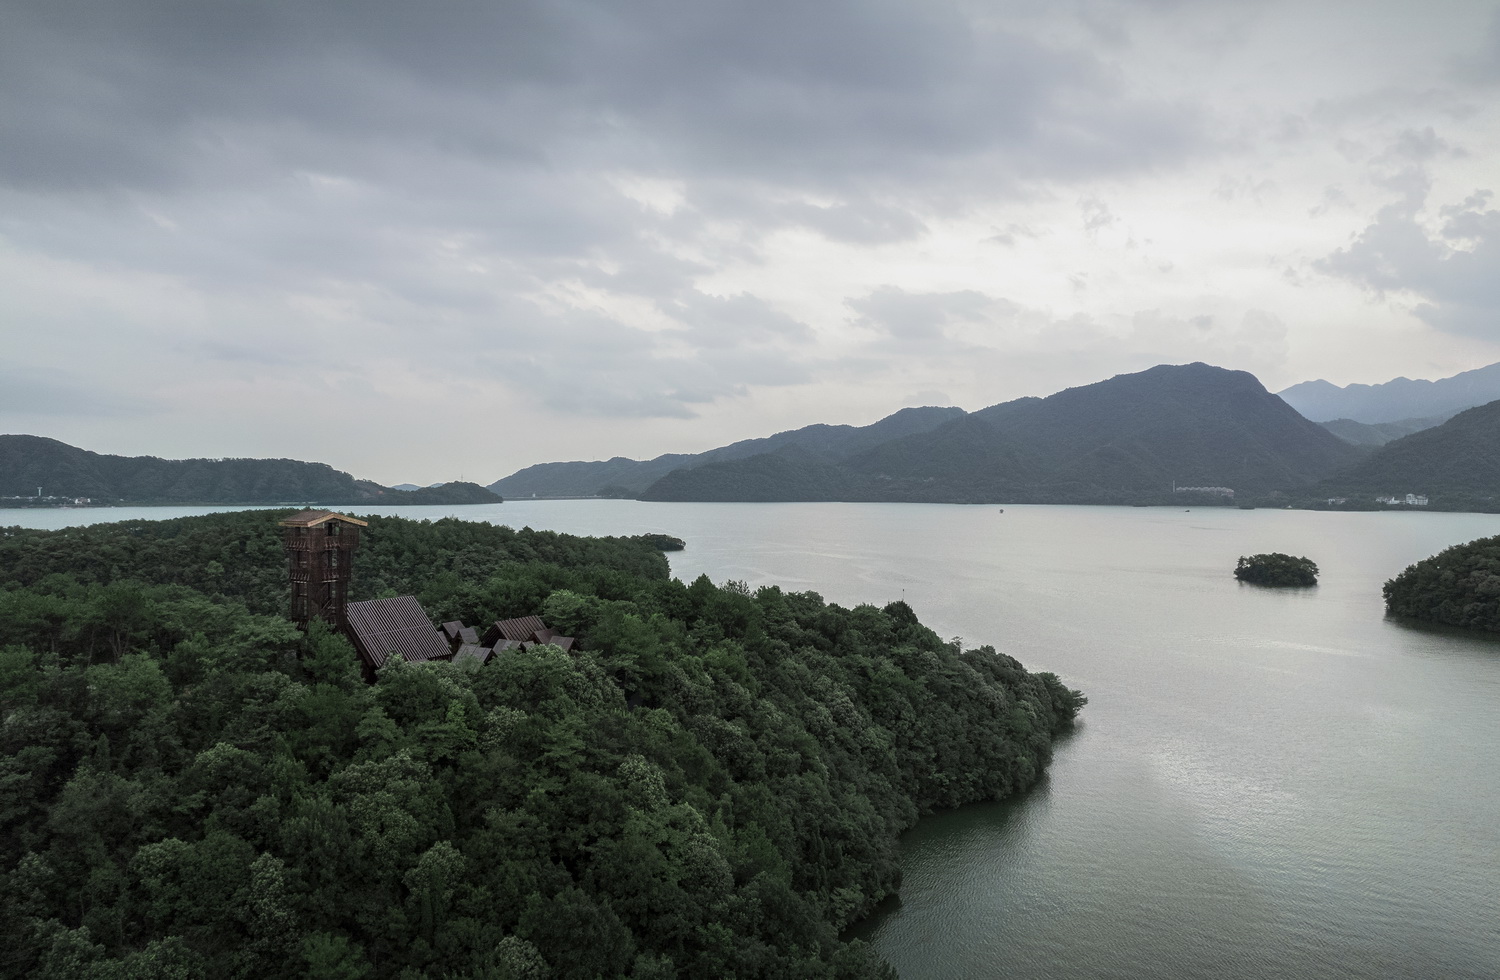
{"x":546,"y":229}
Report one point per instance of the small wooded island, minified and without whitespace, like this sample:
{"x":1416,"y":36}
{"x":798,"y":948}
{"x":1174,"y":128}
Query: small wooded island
{"x":1277,"y":569}
{"x":1459,"y":586}
{"x":710,"y":783}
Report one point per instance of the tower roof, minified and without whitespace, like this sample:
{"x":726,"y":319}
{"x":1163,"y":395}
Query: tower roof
{"x":312,"y":518}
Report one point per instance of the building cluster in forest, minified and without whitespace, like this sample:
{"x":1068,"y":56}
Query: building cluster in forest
{"x":1215,"y":491}
{"x":320,"y":549}
{"x":1410,"y":500}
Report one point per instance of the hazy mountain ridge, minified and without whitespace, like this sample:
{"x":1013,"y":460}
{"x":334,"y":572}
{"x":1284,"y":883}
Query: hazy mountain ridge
{"x":28,"y":462}
{"x":1124,"y":439}
{"x":579,"y":478}
{"x":1379,"y":433}
{"x":1398,"y":400}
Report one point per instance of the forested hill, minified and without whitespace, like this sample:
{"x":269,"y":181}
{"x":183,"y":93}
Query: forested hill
{"x":1380,"y":433}
{"x":1456,"y":587}
{"x":1460,"y":458}
{"x":824,"y":442}
{"x":712,"y":786}
{"x":29,"y":462}
{"x":1122,"y":440}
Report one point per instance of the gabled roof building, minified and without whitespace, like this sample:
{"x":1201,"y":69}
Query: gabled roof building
{"x":397,"y":627}
{"x":320,"y":549}
{"x":520,"y":630}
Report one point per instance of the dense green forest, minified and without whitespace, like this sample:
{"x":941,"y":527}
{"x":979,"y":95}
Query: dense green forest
{"x":1275,"y":568}
{"x":712,"y":787}
{"x":1459,"y":586}
{"x":60,"y":470}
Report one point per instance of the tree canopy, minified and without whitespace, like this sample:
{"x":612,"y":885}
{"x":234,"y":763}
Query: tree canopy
{"x":712,"y":785}
{"x":1459,"y":586}
{"x":1277,"y":569}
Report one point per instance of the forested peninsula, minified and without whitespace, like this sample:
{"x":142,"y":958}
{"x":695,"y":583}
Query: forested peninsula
{"x":1459,"y":586}
{"x":711,"y":785}
{"x":35,"y":471}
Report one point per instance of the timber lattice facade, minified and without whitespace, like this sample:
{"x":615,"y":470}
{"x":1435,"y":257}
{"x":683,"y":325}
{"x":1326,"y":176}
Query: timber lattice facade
{"x":320,"y":560}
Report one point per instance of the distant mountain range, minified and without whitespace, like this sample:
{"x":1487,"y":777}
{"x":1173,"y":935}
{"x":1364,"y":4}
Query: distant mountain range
{"x":1135,"y":438}
{"x":1123,"y":440}
{"x":28,"y":462}
{"x":628,"y":477}
{"x":1148,"y":437}
{"x":1127,"y":439}
{"x":1401,"y":400}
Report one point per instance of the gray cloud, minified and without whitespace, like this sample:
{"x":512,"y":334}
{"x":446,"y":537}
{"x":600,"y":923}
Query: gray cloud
{"x":46,"y":392}
{"x":924,"y":317}
{"x":148,"y":93}
{"x":1483,"y":64}
{"x":631,"y":212}
{"x":1455,"y":273}
{"x":360,"y":171}
{"x":861,"y":224}
{"x":968,"y":331}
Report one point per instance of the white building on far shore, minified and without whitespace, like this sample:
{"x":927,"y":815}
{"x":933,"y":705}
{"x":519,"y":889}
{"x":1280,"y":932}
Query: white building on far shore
{"x":1410,"y":500}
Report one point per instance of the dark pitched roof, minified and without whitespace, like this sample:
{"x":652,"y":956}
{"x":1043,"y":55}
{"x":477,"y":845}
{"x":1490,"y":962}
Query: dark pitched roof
{"x":513,"y":629}
{"x":469,"y":635}
{"x":452,"y":629}
{"x":381,"y":627}
{"x":479,"y":653}
{"x":312,"y":518}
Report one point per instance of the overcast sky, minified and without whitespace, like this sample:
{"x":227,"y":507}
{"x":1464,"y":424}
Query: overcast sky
{"x":422,"y":241}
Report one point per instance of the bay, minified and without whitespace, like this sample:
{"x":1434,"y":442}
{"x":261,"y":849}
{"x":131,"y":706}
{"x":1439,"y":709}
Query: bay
{"x":1265,"y":783}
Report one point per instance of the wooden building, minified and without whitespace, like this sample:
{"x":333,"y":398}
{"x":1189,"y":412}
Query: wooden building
{"x":320,"y":558}
{"x":320,"y":549}
{"x":519,"y":630}
{"x":397,"y":627}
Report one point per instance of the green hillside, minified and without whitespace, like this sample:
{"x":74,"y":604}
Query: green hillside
{"x":712,"y":785}
{"x":28,"y":462}
{"x":1380,"y":433}
{"x":1460,"y":457}
{"x":620,"y":475}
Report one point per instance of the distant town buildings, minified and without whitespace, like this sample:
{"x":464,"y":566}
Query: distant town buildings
{"x":34,"y":500}
{"x":1410,"y":500}
{"x":1216,"y":491}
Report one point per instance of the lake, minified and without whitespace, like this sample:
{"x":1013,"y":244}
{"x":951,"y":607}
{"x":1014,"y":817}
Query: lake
{"x":1264,"y":784}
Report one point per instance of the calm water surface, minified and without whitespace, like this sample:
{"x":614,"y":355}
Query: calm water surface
{"x":1265,"y":783}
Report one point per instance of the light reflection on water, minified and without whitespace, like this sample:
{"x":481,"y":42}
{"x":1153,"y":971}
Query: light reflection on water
{"x":1266,"y":783}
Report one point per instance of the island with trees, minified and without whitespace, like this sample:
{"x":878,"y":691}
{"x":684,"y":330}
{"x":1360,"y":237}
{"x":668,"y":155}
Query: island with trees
{"x":710,"y":784}
{"x":1276,"y":569}
{"x":1459,"y":586}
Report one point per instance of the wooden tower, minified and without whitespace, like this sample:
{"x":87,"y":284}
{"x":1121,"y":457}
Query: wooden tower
{"x":320,"y":557}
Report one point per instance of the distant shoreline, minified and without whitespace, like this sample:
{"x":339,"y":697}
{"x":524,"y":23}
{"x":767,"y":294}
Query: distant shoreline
{"x":1318,"y":507}
{"x":21,"y":505}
